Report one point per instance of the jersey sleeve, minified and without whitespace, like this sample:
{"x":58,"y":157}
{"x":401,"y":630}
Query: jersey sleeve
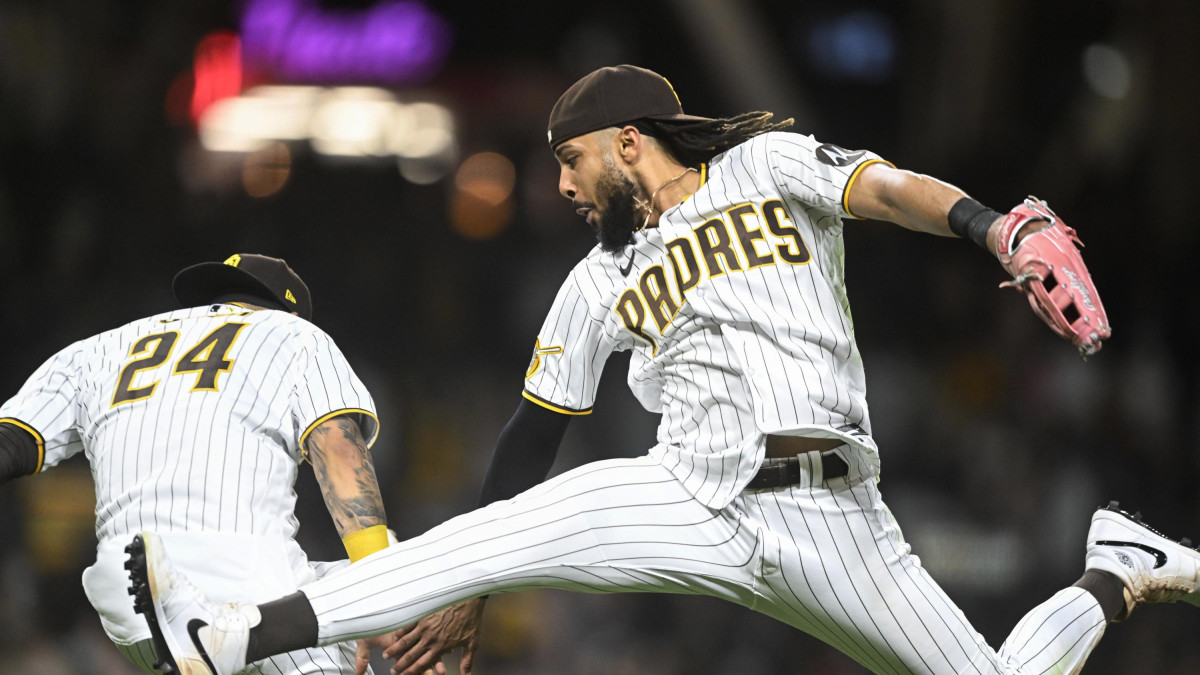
{"x":568,"y":355}
{"x":818,"y":174}
{"x":45,"y":406}
{"x":327,"y":387}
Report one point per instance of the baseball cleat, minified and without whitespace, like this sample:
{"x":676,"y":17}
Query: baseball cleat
{"x":192,"y":634}
{"x":1152,"y":567}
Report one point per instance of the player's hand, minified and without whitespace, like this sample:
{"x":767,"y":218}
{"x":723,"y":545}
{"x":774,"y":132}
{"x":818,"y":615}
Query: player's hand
{"x":362,"y":653}
{"x":419,"y":647}
{"x":1046,"y":266}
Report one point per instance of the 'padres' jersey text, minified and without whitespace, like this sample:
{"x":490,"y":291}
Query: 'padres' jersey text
{"x":660,"y":294}
{"x":192,"y":418}
{"x":735,"y":310}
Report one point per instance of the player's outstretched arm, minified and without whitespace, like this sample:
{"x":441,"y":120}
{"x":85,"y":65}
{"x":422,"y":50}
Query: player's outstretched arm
{"x":908,"y":199}
{"x":342,"y":464}
{"x":1031,"y":242}
{"x":916,"y":202}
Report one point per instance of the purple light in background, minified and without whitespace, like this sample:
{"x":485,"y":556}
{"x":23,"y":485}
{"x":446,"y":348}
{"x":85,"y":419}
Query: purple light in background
{"x":394,"y":41}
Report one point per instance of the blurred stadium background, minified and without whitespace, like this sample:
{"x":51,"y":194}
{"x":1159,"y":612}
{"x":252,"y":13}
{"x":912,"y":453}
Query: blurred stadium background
{"x":393,"y":152}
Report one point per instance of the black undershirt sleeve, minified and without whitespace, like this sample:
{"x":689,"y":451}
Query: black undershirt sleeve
{"x":18,"y":452}
{"x":524,"y":453}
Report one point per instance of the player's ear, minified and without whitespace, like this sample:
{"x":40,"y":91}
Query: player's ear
{"x":628,"y":143}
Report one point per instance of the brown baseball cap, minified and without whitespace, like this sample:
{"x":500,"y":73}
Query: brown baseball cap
{"x":244,"y":274}
{"x":610,"y":97}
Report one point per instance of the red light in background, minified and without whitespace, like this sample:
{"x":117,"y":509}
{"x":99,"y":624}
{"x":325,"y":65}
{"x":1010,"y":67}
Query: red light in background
{"x":217,"y":72}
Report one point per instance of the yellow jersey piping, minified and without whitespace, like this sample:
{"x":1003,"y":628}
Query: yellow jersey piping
{"x":556,"y":408}
{"x":41,"y":442}
{"x":328,"y":416}
{"x":854,"y":177}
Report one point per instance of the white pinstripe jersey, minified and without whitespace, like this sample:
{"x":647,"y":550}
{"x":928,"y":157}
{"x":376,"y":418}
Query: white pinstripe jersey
{"x":192,"y":420}
{"x":735,"y":310}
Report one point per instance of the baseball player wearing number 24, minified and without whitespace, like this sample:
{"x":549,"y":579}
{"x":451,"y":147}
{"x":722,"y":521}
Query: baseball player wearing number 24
{"x":194,"y":423}
{"x":720,"y":268}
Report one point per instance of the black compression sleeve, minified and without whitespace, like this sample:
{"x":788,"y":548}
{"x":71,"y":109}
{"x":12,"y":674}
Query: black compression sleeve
{"x":19,"y":454}
{"x":524,"y":453}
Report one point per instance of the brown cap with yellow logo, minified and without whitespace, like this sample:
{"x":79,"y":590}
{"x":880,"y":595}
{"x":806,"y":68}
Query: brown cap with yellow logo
{"x":610,"y":97}
{"x":259,"y":277}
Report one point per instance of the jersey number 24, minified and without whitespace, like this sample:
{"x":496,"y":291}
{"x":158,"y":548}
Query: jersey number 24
{"x":208,"y":358}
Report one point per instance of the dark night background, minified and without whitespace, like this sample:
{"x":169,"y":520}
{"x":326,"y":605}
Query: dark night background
{"x":997,"y":441}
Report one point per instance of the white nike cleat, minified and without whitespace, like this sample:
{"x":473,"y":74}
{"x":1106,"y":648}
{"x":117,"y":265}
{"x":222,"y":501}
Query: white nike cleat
{"x":192,"y":634}
{"x":1152,"y":567}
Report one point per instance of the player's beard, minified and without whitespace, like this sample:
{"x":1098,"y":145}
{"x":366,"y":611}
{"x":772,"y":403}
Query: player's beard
{"x":618,"y":220}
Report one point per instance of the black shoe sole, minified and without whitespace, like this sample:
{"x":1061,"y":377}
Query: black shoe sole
{"x":143,"y":604}
{"x":1136,"y":517}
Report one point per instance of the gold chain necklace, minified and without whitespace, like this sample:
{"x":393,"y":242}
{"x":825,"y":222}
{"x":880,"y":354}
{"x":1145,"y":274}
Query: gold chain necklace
{"x":648,"y":205}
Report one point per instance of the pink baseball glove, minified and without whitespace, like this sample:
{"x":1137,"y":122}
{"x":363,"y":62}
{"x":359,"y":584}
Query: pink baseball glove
{"x":1047,"y":268}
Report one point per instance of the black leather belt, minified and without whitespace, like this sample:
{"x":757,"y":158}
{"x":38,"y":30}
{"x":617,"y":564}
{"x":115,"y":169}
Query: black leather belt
{"x":786,"y":471}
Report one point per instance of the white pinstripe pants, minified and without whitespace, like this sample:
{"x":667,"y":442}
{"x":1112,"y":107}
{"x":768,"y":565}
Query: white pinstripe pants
{"x":829,"y":560}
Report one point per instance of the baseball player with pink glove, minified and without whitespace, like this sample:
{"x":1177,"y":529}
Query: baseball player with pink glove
{"x":720,"y":267}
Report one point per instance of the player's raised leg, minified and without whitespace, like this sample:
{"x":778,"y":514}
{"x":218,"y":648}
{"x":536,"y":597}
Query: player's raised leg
{"x":614,"y":526}
{"x":850,"y":581}
{"x":623,"y":525}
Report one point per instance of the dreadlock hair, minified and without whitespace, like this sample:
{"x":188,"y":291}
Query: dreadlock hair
{"x":693,"y":143}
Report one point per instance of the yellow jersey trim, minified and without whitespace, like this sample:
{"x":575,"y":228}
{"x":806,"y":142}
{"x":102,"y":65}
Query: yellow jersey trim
{"x":362,"y":543}
{"x":556,"y":408}
{"x":854,"y":177}
{"x":41,"y":442}
{"x":328,"y":416}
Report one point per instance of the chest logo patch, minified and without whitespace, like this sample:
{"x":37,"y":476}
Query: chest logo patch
{"x":538,"y":352}
{"x":837,"y":156}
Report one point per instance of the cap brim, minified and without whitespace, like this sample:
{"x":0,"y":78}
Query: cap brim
{"x":677,"y":117}
{"x":206,"y":281}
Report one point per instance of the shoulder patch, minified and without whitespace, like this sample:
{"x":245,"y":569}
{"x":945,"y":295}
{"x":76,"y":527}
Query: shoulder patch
{"x":833,"y":155}
{"x":538,"y":352}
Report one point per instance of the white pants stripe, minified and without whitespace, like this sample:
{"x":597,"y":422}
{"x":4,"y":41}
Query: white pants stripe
{"x":829,"y":560}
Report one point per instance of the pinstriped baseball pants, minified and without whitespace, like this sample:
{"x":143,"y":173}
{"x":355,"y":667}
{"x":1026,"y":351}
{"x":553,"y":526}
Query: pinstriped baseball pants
{"x":827,"y":558}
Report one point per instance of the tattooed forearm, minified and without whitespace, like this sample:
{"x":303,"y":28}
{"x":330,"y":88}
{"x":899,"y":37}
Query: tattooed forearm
{"x":344,"y":470}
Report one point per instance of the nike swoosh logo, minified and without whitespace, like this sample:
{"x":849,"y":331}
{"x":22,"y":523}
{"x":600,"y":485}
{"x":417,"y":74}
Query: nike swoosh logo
{"x":1160,"y":558}
{"x":194,"y":627}
{"x":628,"y":266}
